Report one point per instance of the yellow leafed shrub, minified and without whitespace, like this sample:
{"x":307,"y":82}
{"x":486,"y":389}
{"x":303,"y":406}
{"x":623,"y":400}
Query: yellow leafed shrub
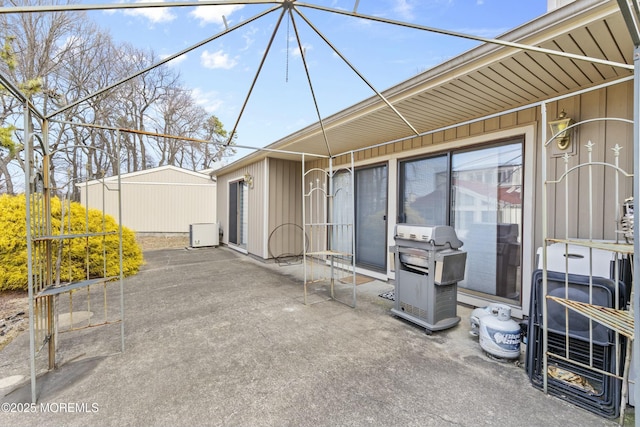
{"x":80,"y":258}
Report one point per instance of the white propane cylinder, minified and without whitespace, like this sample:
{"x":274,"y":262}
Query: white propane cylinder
{"x":499,"y":334}
{"x":477,"y":314}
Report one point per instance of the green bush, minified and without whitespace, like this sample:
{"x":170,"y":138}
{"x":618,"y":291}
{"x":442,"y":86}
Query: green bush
{"x":73,"y":262}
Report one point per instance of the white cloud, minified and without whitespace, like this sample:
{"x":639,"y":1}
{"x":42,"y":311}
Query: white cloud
{"x":248,"y":38}
{"x":404,"y":9}
{"x":70,"y":42}
{"x":295,"y":52}
{"x":175,"y":61}
{"x":154,"y":14}
{"x":210,"y":101}
{"x":214,"y":14}
{"x":217,"y":59}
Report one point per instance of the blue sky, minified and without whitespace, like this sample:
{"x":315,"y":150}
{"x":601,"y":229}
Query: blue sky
{"x":221,"y":72}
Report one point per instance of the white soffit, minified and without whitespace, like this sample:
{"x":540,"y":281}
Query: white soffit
{"x":484,"y":81}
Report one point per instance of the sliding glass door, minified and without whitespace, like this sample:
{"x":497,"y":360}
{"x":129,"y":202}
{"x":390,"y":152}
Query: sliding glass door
{"x":479,"y":193}
{"x":487,"y":215}
{"x":371,"y":217}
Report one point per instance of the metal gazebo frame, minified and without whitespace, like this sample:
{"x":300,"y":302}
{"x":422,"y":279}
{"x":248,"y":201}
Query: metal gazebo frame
{"x":629,"y":8}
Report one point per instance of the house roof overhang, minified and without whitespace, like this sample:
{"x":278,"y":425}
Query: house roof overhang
{"x":481,"y":82}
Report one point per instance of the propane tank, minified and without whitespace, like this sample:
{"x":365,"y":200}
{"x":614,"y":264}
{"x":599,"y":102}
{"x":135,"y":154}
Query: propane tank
{"x":477,"y":314}
{"x":499,"y":334}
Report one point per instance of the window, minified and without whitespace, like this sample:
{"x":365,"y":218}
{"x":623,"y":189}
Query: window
{"x":424,"y":189}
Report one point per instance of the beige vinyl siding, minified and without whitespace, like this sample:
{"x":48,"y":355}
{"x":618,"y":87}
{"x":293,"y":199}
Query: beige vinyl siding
{"x":285,"y":208}
{"x":257,"y":195}
{"x":222,"y":202}
{"x":162,"y":200}
{"x":615,"y":101}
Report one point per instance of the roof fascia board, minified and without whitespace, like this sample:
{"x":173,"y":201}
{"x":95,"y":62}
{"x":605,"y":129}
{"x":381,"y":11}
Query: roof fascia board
{"x":259,"y":154}
{"x":146,"y":172}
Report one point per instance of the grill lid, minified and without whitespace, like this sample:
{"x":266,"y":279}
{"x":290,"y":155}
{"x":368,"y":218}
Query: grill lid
{"x":439,"y":235}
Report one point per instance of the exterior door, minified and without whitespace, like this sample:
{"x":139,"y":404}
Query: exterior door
{"x":487,"y":215}
{"x":233,"y":212}
{"x":238,"y":208}
{"x":371,"y":217}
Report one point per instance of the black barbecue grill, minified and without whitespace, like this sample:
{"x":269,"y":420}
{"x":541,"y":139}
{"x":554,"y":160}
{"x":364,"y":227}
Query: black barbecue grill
{"x":429,"y":264}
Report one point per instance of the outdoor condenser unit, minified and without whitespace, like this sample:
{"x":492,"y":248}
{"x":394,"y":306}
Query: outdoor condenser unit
{"x":204,"y":234}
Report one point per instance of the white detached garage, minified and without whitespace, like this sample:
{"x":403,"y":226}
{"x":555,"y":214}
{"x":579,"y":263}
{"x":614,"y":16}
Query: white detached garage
{"x":166,"y":199}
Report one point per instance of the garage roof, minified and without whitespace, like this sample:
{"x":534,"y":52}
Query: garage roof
{"x":486,"y":80}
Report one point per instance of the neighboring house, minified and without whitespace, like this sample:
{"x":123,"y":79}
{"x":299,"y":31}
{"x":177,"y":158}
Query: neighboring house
{"x":166,"y":199}
{"x":476,"y":162}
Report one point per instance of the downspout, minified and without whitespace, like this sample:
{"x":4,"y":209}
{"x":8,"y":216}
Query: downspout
{"x":636,"y":216}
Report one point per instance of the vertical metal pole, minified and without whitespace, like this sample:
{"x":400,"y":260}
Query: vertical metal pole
{"x":565,"y":159}
{"x":104,"y":228}
{"x":312,"y":226}
{"x":28,"y":148}
{"x":329,"y":220}
{"x":120,"y":255}
{"x":545,"y":335}
{"x":304,"y":232}
{"x":104,"y":250}
{"x":590,"y":199}
{"x":353,"y":226}
{"x":86,"y":221}
{"x":86,"y":239}
{"x":636,"y":216}
{"x":46,"y":178}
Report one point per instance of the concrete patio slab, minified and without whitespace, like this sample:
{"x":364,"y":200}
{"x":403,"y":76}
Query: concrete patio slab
{"x":215,"y":338}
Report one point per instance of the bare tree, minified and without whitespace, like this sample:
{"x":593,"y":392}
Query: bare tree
{"x":60,"y":57}
{"x":37,"y":42}
{"x":180,"y":115}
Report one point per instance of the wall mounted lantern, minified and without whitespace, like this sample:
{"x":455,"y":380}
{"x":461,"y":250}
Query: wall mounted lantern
{"x":248,"y":179}
{"x":559,"y":128}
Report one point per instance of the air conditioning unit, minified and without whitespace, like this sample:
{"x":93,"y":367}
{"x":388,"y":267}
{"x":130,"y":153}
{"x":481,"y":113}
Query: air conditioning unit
{"x":203,"y":235}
